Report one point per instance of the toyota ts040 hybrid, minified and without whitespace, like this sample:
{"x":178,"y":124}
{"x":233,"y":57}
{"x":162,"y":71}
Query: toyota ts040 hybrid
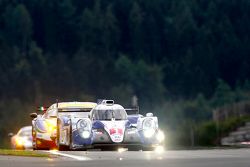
{"x":45,"y":126}
{"x":108,"y":126}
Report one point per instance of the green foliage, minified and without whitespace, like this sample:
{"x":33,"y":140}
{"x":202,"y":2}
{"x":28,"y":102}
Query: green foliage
{"x":209,"y":133}
{"x":144,"y":80}
{"x":197,"y":110}
{"x":26,"y":153}
{"x":14,"y":114}
{"x":223,"y":94}
{"x":231,"y":124}
{"x":18,"y":26}
{"x":191,"y":43}
{"x":180,"y":119}
{"x":166,"y":52}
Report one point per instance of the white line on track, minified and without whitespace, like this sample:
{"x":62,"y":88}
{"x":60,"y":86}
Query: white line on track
{"x":79,"y":158}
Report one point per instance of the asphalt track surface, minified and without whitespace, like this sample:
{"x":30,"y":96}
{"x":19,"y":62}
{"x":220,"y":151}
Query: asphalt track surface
{"x":182,"y":158}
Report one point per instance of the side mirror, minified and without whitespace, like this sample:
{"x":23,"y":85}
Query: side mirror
{"x":33,"y":115}
{"x":10,"y":134}
{"x":149,"y":114}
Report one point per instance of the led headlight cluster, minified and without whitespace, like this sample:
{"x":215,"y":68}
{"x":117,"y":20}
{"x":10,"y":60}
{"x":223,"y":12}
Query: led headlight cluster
{"x":21,"y":141}
{"x":84,"y":128}
{"x":149,"y":127}
{"x":50,"y":126}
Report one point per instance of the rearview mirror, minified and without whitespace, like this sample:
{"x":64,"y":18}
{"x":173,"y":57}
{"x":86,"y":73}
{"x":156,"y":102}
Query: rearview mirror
{"x":33,"y":115}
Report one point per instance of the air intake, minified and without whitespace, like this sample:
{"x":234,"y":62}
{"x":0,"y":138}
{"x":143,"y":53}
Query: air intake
{"x":108,"y":102}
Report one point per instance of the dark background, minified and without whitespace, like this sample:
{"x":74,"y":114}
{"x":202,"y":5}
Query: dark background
{"x":182,"y":59}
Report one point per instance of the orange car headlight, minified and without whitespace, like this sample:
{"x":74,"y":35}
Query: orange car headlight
{"x":20,"y":141}
{"x":50,"y":126}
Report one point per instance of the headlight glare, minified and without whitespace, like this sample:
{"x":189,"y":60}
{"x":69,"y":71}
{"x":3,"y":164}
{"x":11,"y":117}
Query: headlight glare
{"x":20,"y":141}
{"x":148,"y":133}
{"x":50,"y":125}
{"x":85,"y":134}
{"x":160,"y":136}
{"x":84,"y":128}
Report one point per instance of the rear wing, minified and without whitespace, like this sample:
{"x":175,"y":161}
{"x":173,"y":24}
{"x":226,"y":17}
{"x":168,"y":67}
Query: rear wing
{"x":131,"y":111}
{"x":74,"y":109}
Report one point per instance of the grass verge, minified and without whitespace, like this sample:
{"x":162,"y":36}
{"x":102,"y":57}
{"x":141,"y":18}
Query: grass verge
{"x":28,"y":153}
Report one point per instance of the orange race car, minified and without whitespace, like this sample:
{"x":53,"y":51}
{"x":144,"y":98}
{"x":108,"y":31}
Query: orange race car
{"x":44,"y":126}
{"x":23,"y":138}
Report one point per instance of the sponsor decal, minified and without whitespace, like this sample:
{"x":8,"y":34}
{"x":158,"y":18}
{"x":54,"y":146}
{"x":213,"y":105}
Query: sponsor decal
{"x":116,"y":134}
{"x":115,"y":130}
{"x":116,"y":138}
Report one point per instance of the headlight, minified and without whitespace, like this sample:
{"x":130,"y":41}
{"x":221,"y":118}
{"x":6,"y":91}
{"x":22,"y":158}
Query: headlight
{"x":160,"y":136}
{"x":20,"y":141}
{"x":51,"y":125}
{"x":148,"y":127}
{"x":148,"y":124}
{"x":85,"y":134}
{"x":148,"y":133}
{"x":84,"y":128}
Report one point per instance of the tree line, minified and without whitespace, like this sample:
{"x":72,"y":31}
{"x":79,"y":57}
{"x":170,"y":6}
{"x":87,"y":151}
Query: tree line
{"x":161,"y":50}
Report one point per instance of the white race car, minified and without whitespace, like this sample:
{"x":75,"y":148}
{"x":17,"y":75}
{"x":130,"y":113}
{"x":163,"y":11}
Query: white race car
{"x":109,"y":126}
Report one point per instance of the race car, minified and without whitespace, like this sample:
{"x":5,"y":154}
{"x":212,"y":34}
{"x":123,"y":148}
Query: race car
{"x":22,"y":140}
{"x":108,"y":126}
{"x":44,"y":127}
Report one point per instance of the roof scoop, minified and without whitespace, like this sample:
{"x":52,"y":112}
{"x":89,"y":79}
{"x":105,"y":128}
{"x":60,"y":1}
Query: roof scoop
{"x":108,"y":102}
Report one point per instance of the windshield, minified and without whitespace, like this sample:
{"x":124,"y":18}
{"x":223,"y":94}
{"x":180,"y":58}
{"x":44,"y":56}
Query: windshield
{"x":26,"y":132}
{"x":118,"y":114}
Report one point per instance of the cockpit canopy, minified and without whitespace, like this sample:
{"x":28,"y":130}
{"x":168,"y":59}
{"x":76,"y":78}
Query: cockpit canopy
{"x":108,"y":114}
